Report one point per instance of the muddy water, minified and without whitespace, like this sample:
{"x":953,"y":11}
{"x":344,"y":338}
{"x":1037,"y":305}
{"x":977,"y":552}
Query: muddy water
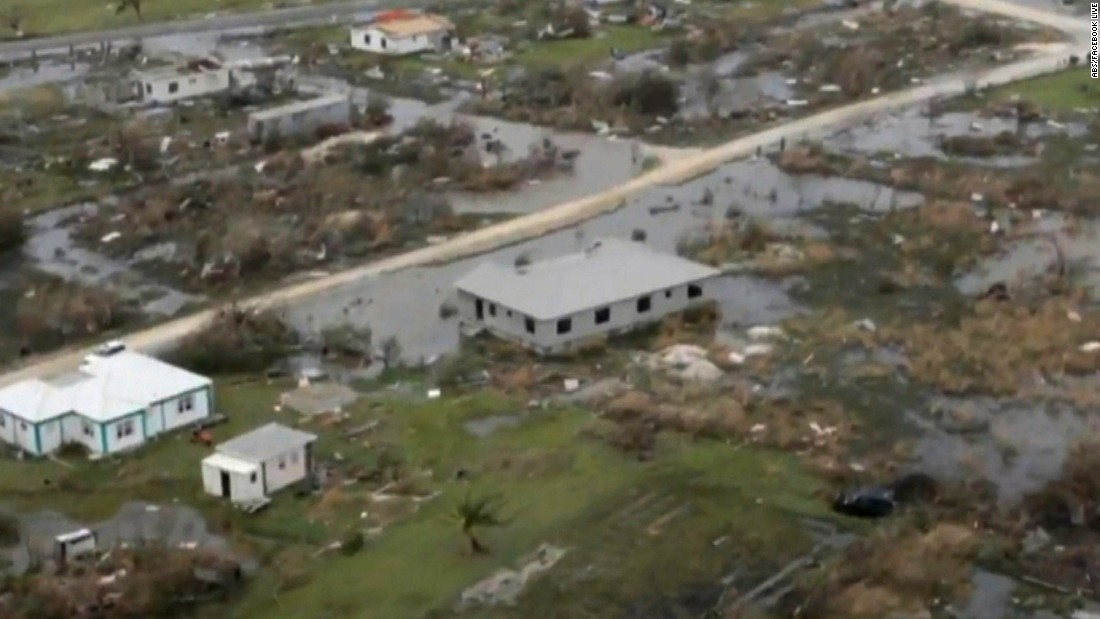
{"x":50,"y":248}
{"x":406,"y":304}
{"x":1017,"y":446}
{"x":913,"y":134}
{"x":135,"y":523}
{"x":1036,"y":254}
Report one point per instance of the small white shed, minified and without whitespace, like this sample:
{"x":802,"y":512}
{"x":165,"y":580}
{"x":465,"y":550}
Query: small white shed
{"x":248,"y":468}
{"x":74,"y":545}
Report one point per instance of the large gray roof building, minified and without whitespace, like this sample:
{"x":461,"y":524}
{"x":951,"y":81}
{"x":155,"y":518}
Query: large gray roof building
{"x":612,"y":286}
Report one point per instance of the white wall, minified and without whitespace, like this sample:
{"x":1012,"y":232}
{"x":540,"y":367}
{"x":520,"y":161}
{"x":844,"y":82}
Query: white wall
{"x":241,"y":486}
{"x":24,"y":436}
{"x":293,"y":469}
{"x":176,"y":414}
{"x":7,"y":427}
{"x":49,"y":433}
{"x":131,"y":439}
{"x":188,"y":85}
{"x":301,"y":122}
{"x":77,"y":429}
{"x":624,"y":316}
{"x":375,"y":41}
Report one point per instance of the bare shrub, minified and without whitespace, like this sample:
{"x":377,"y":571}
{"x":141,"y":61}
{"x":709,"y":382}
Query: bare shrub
{"x":236,"y":340}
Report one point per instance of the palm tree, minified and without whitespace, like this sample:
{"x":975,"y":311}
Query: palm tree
{"x":129,"y":4}
{"x":474,"y":513}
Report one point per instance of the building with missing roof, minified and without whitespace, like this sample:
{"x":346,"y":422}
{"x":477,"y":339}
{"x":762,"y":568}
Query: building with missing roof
{"x":610,"y":288}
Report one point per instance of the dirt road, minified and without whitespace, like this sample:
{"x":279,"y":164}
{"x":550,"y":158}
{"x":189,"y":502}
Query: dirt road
{"x":564,"y":215}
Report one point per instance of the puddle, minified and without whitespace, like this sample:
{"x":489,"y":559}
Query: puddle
{"x":734,"y":94}
{"x":1017,"y":446}
{"x":231,"y":46}
{"x":135,"y":523}
{"x":50,"y":248}
{"x":485,"y":426}
{"x":406,"y":304}
{"x":601,"y":163}
{"x":913,"y":134}
{"x":1032,"y":256}
{"x":990,"y":596}
{"x":24,"y":76}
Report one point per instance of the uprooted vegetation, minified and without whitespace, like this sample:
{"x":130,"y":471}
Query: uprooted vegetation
{"x":236,"y":340}
{"x":886,"y":49}
{"x":147,"y":581}
{"x":904,"y":570}
{"x":1058,"y":524}
{"x":364,"y":199}
{"x":571,"y":99}
{"x":754,"y":246}
{"x":53,"y":312}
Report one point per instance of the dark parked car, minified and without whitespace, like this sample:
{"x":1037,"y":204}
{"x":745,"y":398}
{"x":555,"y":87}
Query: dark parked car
{"x":871,"y":502}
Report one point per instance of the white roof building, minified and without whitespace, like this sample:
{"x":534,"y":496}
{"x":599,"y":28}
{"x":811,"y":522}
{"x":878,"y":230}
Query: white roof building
{"x":248,"y":468}
{"x":611,"y":287}
{"x":110,"y":403}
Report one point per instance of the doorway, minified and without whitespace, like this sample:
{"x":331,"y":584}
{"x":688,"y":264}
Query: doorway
{"x":479,"y":308}
{"x":225,"y":485}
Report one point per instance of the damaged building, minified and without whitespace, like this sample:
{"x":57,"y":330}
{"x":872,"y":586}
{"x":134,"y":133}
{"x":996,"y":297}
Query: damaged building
{"x":612,"y":287}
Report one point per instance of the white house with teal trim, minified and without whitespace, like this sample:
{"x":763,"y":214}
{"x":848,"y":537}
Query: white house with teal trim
{"x":112,"y":403}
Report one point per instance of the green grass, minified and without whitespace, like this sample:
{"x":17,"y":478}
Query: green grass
{"x":560,"y":486}
{"x":1066,"y":91}
{"x":570,"y":52}
{"x":46,"y":17}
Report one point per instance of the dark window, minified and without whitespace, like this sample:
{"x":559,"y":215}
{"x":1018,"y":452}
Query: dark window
{"x":492,"y":309}
{"x":695,"y":291}
{"x":529,"y":324}
{"x":173,"y":87}
{"x":603,"y":315}
{"x":148,"y":89}
{"x":366,"y":39}
{"x":644,"y":303}
{"x":383,"y":43}
{"x":252,"y":478}
{"x":509,"y":313}
{"x":565,"y":325}
{"x":668,"y":294}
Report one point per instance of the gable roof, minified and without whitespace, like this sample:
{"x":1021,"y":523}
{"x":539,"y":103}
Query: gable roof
{"x":104,"y":388}
{"x":611,"y":270}
{"x":412,"y":26}
{"x":265,"y":442}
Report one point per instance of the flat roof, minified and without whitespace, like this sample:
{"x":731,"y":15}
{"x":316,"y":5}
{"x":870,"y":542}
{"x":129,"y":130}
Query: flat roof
{"x":190,"y":67}
{"x":265,"y":442}
{"x":103,"y":389}
{"x":294,"y":107}
{"x":403,"y":28}
{"x":231,"y":464}
{"x":611,"y":270}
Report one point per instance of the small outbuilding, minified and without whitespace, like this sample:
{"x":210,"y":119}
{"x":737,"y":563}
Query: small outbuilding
{"x":610,"y":288}
{"x":194,"y":78}
{"x":254,"y":465}
{"x":299,"y":117}
{"x":74,"y":545}
{"x":404,"y":33}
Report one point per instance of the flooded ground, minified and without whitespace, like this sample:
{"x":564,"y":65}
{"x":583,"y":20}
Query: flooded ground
{"x":50,"y":248}
{"x":913,"y":134}
{"x":135,"y":523}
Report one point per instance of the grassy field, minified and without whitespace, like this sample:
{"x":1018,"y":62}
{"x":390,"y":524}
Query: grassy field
{"x":46,"y":17}
{"x":1060,"y":92}
{"x":570,"y":52}
{"x":559,"y":485}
